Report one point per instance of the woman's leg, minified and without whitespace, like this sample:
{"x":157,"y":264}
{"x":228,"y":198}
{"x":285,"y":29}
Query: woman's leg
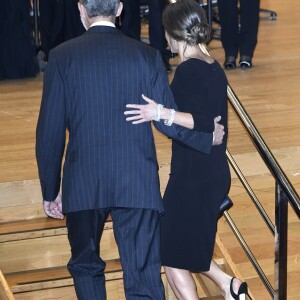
{"x":182,"y":283}
{"x":184,"y":287}
{"x":222,"y":280}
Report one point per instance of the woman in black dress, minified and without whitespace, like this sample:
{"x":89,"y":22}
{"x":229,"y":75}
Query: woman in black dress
{"x":198,"y":182}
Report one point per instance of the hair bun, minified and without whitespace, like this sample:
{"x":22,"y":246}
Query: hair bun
{"x":185,"y":20}
{"x":199,"y":33}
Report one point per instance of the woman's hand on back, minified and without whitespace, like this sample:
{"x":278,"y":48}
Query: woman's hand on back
{"x":142,"y":112}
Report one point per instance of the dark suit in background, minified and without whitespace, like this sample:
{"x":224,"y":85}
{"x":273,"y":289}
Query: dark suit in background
{"x":235,"y":39}
{"x":59,"y":22}
{"x":51,"y":23}
{"x":17,"y":52}
{"x":131,"y":23}
{"x":110,"y":164}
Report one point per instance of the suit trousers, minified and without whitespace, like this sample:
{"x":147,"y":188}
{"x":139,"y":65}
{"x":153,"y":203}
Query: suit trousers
{"x":137,"y":235}
{"x":233,"y":37}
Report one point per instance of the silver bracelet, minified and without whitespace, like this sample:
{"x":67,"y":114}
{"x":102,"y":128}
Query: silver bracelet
{"x":158,"y":112}
{"x":171,"y":117}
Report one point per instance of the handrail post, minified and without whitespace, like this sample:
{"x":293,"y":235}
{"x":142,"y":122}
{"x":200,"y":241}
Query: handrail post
{"x":281,"y":230}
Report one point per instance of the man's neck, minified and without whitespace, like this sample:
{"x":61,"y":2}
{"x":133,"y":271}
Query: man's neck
{"x":100,"y":19}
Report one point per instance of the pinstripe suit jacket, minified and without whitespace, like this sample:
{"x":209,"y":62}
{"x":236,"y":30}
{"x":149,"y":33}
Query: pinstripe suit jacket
{"x":109,"y":162}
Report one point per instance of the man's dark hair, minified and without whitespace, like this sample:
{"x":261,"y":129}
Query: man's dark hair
{"x":104,"y":8}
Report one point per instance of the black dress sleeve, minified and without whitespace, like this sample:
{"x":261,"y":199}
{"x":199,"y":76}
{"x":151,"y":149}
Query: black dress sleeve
{"x":203,"y":122}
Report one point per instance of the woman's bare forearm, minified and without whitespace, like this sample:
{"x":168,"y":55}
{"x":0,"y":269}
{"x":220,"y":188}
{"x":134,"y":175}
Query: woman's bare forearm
{"x":183,"y":119}
{"x":152,"y":111}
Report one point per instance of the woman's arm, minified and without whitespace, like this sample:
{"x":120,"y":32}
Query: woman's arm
{"x":148,"y":112}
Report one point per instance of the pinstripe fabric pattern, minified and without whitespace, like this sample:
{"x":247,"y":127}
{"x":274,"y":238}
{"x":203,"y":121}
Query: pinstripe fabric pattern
{"x":89,"y":289}
{"x":137,"y":235}
{"x":109,"y":162}
{"x":86,"y":267}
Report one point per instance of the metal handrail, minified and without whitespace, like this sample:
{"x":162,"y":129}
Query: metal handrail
{"x":249,"y":253}
{"x":265,"y":153}
{"x":284,"y":193}
{"x":251,"y":193}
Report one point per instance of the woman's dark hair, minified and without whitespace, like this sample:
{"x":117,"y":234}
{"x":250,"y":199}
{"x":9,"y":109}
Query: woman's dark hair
{"x":185,"y":20}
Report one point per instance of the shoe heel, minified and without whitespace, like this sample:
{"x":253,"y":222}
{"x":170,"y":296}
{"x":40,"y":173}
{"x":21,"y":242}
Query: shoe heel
{"x":242,"y":292}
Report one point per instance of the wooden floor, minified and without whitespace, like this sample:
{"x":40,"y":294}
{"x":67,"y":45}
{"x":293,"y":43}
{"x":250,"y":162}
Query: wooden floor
{"x":270,"y":92}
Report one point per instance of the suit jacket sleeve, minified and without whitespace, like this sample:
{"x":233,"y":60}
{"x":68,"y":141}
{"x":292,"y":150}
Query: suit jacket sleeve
{"x":161,"y":92}
{"x":51,"y":131}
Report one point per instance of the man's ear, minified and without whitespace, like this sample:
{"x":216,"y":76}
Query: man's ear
{"x":120,"y":8}
{"x":81,"y":10}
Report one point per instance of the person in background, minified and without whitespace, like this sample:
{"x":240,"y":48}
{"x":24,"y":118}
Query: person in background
{"x":51,"y":20}
{"x":198,"y":182}
{"x":131,"y":25}
{"x":239,"y":29}
{"x":17,"y":51}
{"x":59,"y":22}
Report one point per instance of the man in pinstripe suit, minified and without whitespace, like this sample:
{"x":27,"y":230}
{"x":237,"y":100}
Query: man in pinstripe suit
{"x":110,"y":165}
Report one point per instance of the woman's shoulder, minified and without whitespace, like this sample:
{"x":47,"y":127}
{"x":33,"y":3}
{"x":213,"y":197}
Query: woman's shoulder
{"x":196,"y":65}
{"x":198,"y":69}
{"x":188,"y":68}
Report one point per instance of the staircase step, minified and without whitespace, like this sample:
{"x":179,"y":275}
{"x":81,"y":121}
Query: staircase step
{"x":48,"y":278}
{"x":114,"y":289}
{"x":34,"y":228}
{"x":34,"y":254}
{"x":31,"y":225}
{"x":5,"y":291}
{"x":31,"y":229}
{"x":213,"y":298}
{"x":48,"y":249}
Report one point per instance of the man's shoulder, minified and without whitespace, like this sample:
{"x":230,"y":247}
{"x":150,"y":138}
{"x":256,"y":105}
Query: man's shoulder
{"x":126,"y":43}
{"x":69,"y":45}
{"x":139,"y":46}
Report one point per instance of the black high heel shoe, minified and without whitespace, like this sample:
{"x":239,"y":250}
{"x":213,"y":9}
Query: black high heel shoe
{"x":242,"y":292}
